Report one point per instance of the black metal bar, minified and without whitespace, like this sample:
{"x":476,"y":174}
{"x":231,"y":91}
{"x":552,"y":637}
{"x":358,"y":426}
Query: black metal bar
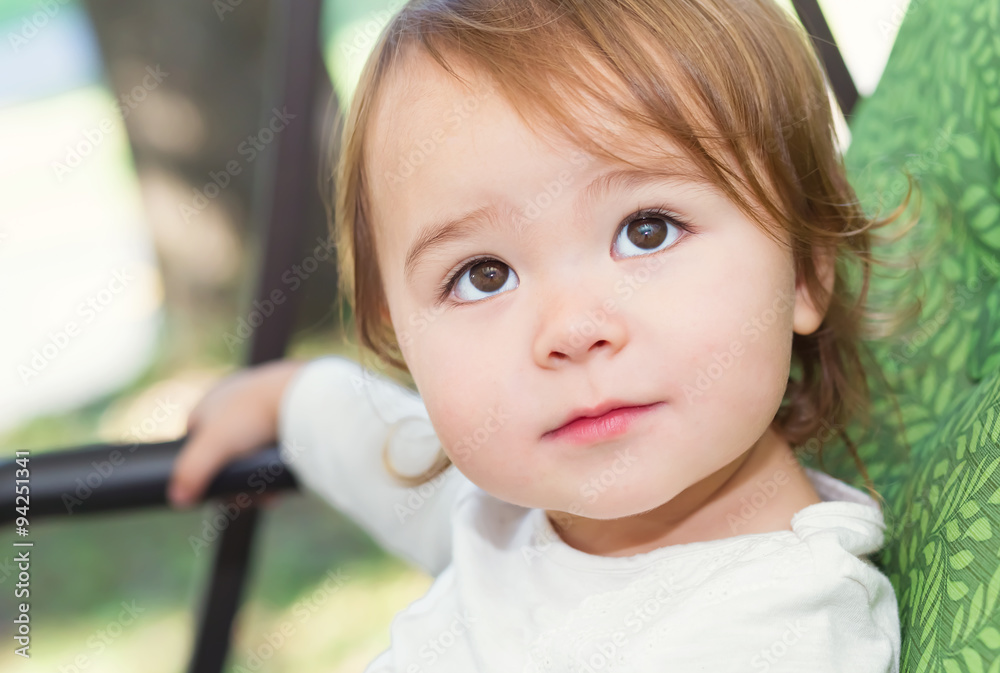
{"x":114,"y":477}
{"x":815,"y":23}
{"x":225,"y":589}
{"x":292,"y":184}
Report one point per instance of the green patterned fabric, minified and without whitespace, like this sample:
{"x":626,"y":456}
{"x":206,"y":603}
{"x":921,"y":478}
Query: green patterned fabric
{"x":936,"y":114}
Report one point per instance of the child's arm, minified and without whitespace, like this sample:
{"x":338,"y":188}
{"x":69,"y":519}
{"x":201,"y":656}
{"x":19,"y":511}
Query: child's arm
{"x":332,"y":417}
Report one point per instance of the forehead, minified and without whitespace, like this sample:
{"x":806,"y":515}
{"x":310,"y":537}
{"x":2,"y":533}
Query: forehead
{"x":435,"y":142}
{"x":427,"y":124}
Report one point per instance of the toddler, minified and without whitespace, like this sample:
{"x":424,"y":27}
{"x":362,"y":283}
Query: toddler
{"x":609,"y":240}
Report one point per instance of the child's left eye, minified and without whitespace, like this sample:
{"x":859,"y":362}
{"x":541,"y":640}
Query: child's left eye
{"x":648,"y":231}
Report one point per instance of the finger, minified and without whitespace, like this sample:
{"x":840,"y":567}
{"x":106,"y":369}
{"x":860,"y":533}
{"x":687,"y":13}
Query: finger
{"x":194,"y":417}
{"x":197,"y":463}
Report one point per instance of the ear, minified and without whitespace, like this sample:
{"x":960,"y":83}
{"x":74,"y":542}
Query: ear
{"x":808,"y":314}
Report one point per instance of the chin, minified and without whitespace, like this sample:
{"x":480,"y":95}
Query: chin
{"x":606,"y":511}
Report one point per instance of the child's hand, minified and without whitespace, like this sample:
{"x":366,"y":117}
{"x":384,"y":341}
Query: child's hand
{"x":235,"y":418}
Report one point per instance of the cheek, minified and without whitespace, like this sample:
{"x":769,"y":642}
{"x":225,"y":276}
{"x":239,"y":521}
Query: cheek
{"x":473,"y":390}
{"x":733,"y":347}
{"x":465,"y":393}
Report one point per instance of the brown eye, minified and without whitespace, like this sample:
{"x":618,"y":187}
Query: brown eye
{"x":488,"y":276}
{"x":646,"y":232}
{"x":482,"y":278}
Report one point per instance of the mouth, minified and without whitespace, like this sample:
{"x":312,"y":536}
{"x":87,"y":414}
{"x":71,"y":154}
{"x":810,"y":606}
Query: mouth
{"x":605,"y":421}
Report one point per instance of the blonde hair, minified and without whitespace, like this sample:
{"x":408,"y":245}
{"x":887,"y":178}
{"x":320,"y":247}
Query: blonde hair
{"x":731,"y":82}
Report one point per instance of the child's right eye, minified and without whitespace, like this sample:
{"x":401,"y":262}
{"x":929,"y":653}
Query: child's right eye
{"x":481,"y":278}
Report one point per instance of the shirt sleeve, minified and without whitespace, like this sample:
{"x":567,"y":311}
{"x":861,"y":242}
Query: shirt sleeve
{"x":861,"y":629}
{"x":850,"y":617}
{"x":789,"y":620}
{"x":335,"y":420}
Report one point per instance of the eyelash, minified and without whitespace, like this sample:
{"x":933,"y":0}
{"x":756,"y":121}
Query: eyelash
{"x":444,"y":291}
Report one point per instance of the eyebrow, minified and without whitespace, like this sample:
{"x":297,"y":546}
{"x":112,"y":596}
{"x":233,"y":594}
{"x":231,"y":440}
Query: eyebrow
{"x":492,"y":216}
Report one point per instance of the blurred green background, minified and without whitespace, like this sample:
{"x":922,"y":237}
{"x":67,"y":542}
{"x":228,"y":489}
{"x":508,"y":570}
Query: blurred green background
{"x":113,"y":115}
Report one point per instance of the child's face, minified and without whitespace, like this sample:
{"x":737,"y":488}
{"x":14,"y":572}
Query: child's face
{"x":579,"y":309}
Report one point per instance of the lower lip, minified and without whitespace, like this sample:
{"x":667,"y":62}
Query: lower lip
{"x":612,"y":424}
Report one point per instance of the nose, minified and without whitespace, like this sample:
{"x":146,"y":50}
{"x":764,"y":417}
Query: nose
{"x":578,"y":323}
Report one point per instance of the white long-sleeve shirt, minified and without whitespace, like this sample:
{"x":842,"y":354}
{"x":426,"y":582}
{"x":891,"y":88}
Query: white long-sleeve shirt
{"x":510,"y":596}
